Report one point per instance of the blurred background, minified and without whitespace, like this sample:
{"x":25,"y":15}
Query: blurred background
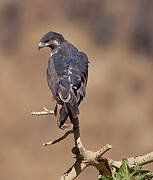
{"x":118,"y":109}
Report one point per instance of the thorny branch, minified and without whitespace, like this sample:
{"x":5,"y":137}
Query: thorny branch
{"x":85,"y":158}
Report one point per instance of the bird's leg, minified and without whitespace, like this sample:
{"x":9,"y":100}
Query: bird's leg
{"x":45,"y":112}
{"x":58,"y":107}
{"x":63,"y":120}
{"x":55,"y":110}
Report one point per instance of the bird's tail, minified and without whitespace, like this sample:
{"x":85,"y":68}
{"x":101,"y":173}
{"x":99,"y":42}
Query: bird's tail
{"x":67,"y":111}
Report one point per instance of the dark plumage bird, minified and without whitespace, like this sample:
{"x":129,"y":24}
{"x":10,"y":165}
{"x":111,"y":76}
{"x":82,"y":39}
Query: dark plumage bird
{"x":67,"y":75}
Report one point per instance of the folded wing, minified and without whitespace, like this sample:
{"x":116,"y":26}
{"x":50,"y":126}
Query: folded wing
{"x":67,"y":78}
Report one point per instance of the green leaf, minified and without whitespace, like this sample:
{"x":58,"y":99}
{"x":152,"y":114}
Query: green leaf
{"x":143,"y":175}
{"x":124,"y":171}
{"x":127,"y":173}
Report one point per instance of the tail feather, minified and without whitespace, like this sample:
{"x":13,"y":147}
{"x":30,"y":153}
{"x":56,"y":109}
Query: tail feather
{"x":66,"y":111}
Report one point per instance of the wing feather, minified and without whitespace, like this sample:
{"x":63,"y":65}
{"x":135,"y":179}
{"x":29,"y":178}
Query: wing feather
{"x":71,"y":75}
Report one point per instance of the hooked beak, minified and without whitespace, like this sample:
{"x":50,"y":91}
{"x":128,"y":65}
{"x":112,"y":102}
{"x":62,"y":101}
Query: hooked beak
{"x":41,"y":45}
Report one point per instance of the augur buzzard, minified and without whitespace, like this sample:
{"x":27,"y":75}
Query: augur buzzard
{"x":67,"y":75}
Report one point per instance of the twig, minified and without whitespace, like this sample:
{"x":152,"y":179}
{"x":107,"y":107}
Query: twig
{"x":45,"y":112}
{"x":59,"y":139}
{"x":103,"y":150}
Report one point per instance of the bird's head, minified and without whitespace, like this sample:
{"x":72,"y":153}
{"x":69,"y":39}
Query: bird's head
{"x":51,"y":40}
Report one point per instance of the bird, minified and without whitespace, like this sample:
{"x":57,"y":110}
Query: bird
{"x":67,"y":75}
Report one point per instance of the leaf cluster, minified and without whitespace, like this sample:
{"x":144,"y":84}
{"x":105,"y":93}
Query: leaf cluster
{"x":127,"y":173}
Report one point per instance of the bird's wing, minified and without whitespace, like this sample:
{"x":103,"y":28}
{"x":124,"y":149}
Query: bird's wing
{"x":70,"y":74}
{"x":67,"y":79}
{"x":57,"y":77}
{"x":82,"y":65}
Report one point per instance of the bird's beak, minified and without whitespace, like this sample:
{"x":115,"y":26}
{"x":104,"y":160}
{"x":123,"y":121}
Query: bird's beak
{"x":41,"y":45}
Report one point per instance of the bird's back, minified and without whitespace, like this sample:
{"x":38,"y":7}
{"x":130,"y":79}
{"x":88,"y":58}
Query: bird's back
{"x":67,"y":75}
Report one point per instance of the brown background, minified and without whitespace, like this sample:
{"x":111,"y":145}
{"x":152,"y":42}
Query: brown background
{"x":118,"y":109}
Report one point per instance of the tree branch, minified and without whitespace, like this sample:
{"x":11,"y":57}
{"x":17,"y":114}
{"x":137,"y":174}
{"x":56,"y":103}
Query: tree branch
{"x":85,"y":158}
{"x":103,"y":150}
{"x":59,"y":139}
{"x":138,"y":160}
{"x":45,"y":112}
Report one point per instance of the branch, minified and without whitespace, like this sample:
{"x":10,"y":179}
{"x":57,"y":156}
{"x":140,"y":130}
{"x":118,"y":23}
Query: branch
{"x":103,"y":150}
{"x":59,"y":139}
{"x":138,"y":160}
{"x":85,"y":158}
{"x":45,"y":112}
